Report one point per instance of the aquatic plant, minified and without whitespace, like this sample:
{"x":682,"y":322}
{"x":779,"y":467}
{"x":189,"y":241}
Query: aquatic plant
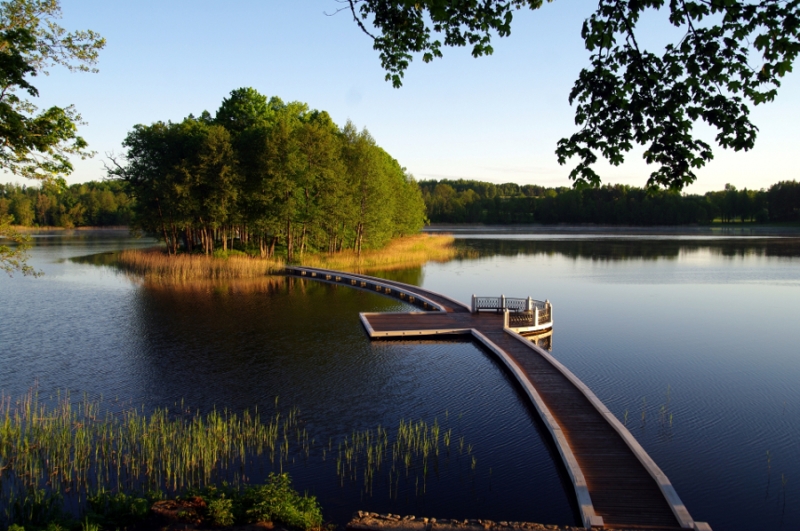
{"x":410,"y":451}
{"x":78,"y":448}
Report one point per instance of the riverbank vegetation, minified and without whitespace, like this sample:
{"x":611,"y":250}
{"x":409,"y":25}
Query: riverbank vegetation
{"x":156,"y":265}
{"x":86,"y":464}
{"x":481,"y":202}
{"x":401,"y":253}
{"x":65,"y":453}
{"x":262,"y":172}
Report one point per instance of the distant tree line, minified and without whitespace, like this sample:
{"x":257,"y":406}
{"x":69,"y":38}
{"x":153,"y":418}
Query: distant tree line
{"x":98,"y":204}
{"x":465,"y":201}
{"x":261,"y":173}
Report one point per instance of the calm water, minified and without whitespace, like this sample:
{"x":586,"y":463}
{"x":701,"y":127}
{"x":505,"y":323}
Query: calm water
{"x":690,"y":339}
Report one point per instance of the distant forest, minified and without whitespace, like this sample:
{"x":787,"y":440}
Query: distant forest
{"x":108,"y":203}
{"x":481,"y":202}
{"x":54,"y":204}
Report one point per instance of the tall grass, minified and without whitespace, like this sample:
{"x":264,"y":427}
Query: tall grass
{"x":154,"y":264}
{"x":64,"y":453}
{"x":412,"y":451}
{"x":75,"y":448}
{"x":410,"y":251}
{"x":400,"y":253}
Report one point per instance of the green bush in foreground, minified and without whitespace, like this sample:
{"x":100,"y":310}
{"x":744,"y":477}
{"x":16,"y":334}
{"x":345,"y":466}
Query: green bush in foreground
{"x":275,"y":501}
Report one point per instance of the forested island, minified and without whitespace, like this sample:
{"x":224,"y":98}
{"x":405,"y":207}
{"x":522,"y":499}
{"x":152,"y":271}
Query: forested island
{"x":262,"y":171}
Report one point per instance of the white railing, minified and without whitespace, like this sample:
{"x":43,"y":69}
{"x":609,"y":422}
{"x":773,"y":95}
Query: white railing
{"x":507,"y":303}
{"x":519,"y":314}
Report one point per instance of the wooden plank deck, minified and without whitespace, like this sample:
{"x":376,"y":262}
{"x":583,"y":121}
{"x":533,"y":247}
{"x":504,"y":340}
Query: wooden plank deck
{"x":617,"y":484}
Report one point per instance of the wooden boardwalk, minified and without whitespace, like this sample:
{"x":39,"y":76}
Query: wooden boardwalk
{"x":617,"y":485}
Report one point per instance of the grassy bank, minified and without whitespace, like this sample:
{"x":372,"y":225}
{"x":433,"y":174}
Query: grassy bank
{"x":401,"y":253}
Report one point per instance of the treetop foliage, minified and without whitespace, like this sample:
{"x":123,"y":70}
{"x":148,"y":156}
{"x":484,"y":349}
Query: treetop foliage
{"x":732,"y":53}
{"x":37,"y":144}
{"x":33,"y":143}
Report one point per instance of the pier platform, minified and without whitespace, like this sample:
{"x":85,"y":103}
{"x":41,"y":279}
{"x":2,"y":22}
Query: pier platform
{"x":617,"y":485}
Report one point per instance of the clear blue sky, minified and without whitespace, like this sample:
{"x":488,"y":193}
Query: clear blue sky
{"x":496,"y":118}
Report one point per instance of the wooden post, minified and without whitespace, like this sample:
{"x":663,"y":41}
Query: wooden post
{"x":505,"y":318}
{"x":474,"y":309}
{"x":536,"y":317}
{"x":529,"y":304}
{"x":502,"y":302}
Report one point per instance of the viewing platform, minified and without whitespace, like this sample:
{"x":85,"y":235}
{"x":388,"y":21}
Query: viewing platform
{"x":616,"y":483}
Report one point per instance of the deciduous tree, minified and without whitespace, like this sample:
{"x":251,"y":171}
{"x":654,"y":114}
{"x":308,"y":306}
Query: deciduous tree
{"x":37,"y":143}
{"x":731,"y":54}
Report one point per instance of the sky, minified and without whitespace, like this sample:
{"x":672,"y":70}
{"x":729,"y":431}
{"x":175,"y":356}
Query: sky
{"x":495,"y":118}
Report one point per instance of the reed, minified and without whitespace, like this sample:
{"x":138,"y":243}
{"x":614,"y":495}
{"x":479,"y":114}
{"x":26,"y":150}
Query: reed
{"x":154,"y":264}
{"x":75,"y":448}
{"x":67,"y":452}
{"x":407,"y":453}
{"x":400,"y":253}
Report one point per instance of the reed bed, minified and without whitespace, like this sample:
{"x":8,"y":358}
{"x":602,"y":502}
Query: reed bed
{"x":400,"y":253}
{"x":74,"y":448}
{"x":408,"y":454}
{"x":154,"y":264}
{"x":64,"y":452}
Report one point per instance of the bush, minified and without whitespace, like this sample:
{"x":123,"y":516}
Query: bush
{"x":278,"y":502}
{"x":117,"y":510}
{"x":220,"y":512}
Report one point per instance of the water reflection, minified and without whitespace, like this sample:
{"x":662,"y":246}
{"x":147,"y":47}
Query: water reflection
{"x":662,"y":331}
{"x":620,"y":249}
{"x":541,"y":339}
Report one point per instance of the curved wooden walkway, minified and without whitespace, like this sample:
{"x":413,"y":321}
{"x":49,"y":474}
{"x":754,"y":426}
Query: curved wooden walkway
{"x":617,"y":484}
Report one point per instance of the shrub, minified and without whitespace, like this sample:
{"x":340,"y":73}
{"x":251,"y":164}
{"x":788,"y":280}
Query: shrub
{"x":220,"y":512}
{"x":277,"y":501}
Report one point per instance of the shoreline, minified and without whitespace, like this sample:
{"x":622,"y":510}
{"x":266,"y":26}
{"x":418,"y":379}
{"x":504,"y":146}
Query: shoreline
{"x":725,"y":231}
{"x":367,"y":521}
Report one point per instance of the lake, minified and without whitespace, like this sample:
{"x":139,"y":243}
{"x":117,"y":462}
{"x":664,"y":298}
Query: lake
{"x":689,"y":337}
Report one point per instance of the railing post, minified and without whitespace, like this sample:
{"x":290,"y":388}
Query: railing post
{"x":536,"y":317}
{"x":502,"y":302}
{"x":529,"y":304}
{"x":505,"y":318}
{"x":474,"y":310}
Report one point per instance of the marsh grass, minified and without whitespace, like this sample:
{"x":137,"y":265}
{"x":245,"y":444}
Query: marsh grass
{"x":411,"y":452}
{"x":63,"y":457}
{"x":155,"y":266}
{"x":400,"y":253}
{"x":71,"y":450}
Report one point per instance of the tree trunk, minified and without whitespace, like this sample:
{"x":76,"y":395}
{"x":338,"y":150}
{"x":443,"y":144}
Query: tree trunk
{"x":272,"y":246}
{"x":288,"y":239}
{"x":163,"y":226}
